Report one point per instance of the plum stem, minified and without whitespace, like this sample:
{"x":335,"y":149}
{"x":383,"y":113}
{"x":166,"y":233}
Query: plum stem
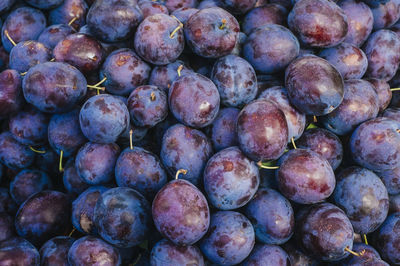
{"x":130,"y":139}
{"x":223,"y":25}
{"x":293,"y":143}
{"x":52,"y":60}
{"x":60,"y":166}
{"x":23,"y":73}
{"x":137,"y":260}
{"x":354,"y":253}
{"x":315,"y":119}
{"x":311,"y":125}
{"x":96,"y":86}
{"x":395,"y":89}
{"x":179,"y":70}
{"x":73,"y":231}
{"x":365,"y":239}
{"x":263,"y":166}
{"x":180,"y":26}
{"x":35,"y":150}
{"x":152,"y":96}
{"x":180,"y":171}
{"x":72,"y":21}
{"x":9,"y":38}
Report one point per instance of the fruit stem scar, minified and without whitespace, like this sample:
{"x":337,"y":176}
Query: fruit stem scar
{"x":223,"y":25}
{"x":73,"y":230}
{"x":395,"y":89}
{"x":179,"y":70}
{"x":355,"y":253}
{"x":60,"y":166}
{"x":261,"y":165}
{"x":365,"y":239}
{"x":130,"y":139}
{"x":37,"y":151}
{"x":293,"y":143}
{"x":152,"y":96}
{"x":180,"y":171}
{"x":72,"y":21}
{"x":9,"y":37}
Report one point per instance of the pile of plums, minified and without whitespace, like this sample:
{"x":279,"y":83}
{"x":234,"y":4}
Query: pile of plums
{"x":192,"y":133}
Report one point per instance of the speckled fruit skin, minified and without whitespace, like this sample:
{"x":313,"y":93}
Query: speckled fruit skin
{"x":235,"y":79}
{"x":124,"y":71}
{"x":387,"y":239}
{"x":360,"y":103}
{"x":204,"y":35}
{"x":90,"y":250}
{"x":154,"y":41}
{"x":323,"y":142}
{"x":43,"y":216}
{"x":262,"y":130}
{"x":383,"y":53}
{"x":305,"y":177}
{"x":306,"y":80}
{"x":83,"y":209}
{"x":230,"y":238}
{"x":270,"y":48}
{"x":325,"y":231}
{"x":54,"y":87}
{"x":318,"y":23}
{"x":141,"y":170}
{"x":54,"y":33}
{"x":68,"y":10}
{"x":13,"y":154}
{"x":180,"y":212}
{"x":223,"y":129}
{"x":363,"y":197}
{"x":113,"y":20}
{"x":295,"y":119}
{"x":103,"y":118}
{"x":375,"y":144}
{"x":150,"y":8}
{"x":266,"y":14}
{"x":18,"y":251}
{"x":230,"y":179}
{"x":28,"y":54}
{"x":165,"y":253}
{"x":55,"y":251}
{"x":267,"y":255}
{"x":194,"y":100}
{"x":11,"y":97}
{"x":272,"y":216}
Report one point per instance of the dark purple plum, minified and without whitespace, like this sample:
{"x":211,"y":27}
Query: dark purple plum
{"x":7,"y":204}
{"x":270,"y":48}
{"x":13,"y":154}
{"x":27,"y":54}
{"x":55,"y":251}
{"x":238,"y":7}
{"x":44,"y":215}
{"x":185,"y":148}
{"x":114,"y":20}
{"x":230,"y":179}
{"x":391,"y":180}
{"x":141,"y":170}
{"x":69,"y":10}
{"x":387,"y":239}
{"x":11,"y":98}
{"x":4,"y":58}
{"x":194,"y":100}
{"x":266,"y":14}
{"x":148,"y":106}
{"x":360,"y":21}
{"x":73,"y":183}
{"x":150,"y":8}
{"x":6,"y":227}
{"x":44,"y":4}
{"x":348,"y":59}
{"x":323,"y":142}
{"x":235,"y":79}
{"x":22,"y":24}
{"x":159,"y":39}
{"x":305,"y":177}
{"x":386,"y":14}
{"x":229,"y":240}
{"x":383,"y":53}
{"x":318,"y":23}
{"x":173,"y":5}
{"x":55,"y":33}
{"x":164,"y":76}
{"x":212,"y":32}
{"x":124,"y":71}
{"x":296,"y":120}
{"x":314,"y":86}
{"x":90,"y":250}
{"x":28,"y":182}
{"x":239,"y":44}
{"x":296,"y":255}
{"x":5,"y":5}
{"x":29,"y":126}
{"x":392,"y":113}
{"x":65,"y":133}
{"x":369,"y":254}
{"x":95,"y":162}
{"x":103,"y":118}
{"x":267,"y":255}
{"x":262,"y":130}
{"x":184,"y":13}
{"x":363,"y":197}
{"x":81,"y":51}
{"x":165,"y":253}
{"x":83,"y":209}
{"x":122,"y":217}
{"x":18,"y":251}
{"x":360,"y":103}
{"x":54,"y":87}
{"x":223,"y":129}
{"x":180,"y":212}
{"x":394,"y":203}
{"x":375,"y":144}
{"x":324,"y":232}
{"x":382,"y":88}
{"x":272,"y":216}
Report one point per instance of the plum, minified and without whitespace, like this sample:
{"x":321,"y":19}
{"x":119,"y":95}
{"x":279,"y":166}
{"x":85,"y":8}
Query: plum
{"x":150,"y":8}
{"x":71,"y":12}
{"x":11,"y":98}
{"x":267,"y":255}
{"x":55,"y":251}
{"x":72,"y":182}
{"x":386,"y":14}
{"x":266,"y":14}
{"x":18,"y":251}
{"x":55,"y":33}
{"x":27,"y":54}
{"x":165,"y":253}
{"x":387,"y":237}
{"x":223,"y":129}
{"x":13,"y":154}
{"x":163,"y":76}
